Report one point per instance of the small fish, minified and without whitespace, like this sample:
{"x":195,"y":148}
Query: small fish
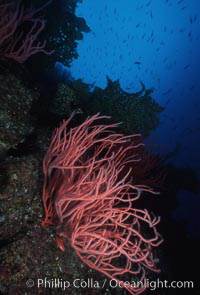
{"x":60,"y":243}
{"x":137,"y":63}
{"x":194,"y":18}
{"x":167,"y":92}
{"x":179,"y":2}
{"x":186,"y":67}
{"x":167,"y":102}
{"x":148,"y":3}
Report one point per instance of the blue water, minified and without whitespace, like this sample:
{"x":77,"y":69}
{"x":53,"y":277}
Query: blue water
{"x":157,"y":42}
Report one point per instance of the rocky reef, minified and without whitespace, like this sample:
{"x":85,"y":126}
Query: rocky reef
{"x":15,"y":104}
{"x":138,"y":112}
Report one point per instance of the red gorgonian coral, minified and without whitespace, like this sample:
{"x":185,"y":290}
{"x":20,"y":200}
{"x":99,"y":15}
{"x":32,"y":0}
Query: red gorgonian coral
{"x":93,"y":207}
{"x":19,"y":31}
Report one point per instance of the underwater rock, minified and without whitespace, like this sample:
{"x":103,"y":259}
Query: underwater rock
{"x":138,"y":112}
{"x":65,"y":102}
{"x":19,"y":181}
{"x":15,"y":104}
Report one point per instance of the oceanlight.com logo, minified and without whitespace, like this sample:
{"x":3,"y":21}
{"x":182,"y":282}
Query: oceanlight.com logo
{"x":153,"y":285}
{"x":90,"y":283}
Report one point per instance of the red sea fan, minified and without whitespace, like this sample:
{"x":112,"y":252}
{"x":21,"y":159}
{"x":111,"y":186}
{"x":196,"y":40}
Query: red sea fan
{"x":15,"y":42}
{"x":92,"y":206}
